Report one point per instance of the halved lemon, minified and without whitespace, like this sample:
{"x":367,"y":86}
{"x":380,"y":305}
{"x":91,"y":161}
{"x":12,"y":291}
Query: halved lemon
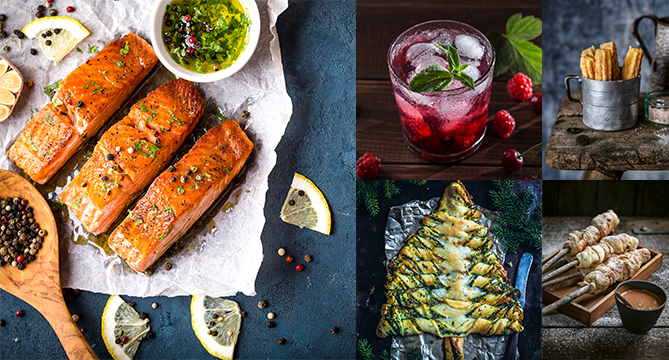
{"x":220,"y":338}
{"x":120,"y":321}
{"x":306,"y":207}
{"x":70,"y":33}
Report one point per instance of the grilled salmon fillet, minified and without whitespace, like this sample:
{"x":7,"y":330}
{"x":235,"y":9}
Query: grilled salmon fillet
{"x":114,"y":176}
{"x":85,"y":100}
{"x":169,"y":208}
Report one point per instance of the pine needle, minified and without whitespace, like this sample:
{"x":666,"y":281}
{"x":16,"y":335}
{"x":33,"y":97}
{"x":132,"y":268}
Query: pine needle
{"x":519,"y":218}
{"x":368,"y":191}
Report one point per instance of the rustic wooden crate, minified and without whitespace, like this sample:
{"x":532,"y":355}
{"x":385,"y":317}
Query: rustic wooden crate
{"x":590,"y":307}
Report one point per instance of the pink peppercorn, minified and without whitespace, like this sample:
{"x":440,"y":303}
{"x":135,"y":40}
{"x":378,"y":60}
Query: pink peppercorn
{"x":299,"y":267}
{"x":187,"y":18}
{"x":19,"y":313}
{"x":70,"y":9}
{"x":191,"y":40}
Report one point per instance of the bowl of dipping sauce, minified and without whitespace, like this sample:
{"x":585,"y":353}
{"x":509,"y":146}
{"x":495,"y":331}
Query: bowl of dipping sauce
{"x":205,"y":40}
{"x":640,"y":304}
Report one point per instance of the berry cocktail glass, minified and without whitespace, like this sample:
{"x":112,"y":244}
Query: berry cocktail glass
{"x":446,"y":125}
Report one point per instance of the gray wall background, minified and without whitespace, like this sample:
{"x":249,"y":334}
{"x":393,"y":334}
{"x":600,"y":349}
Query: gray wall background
{"x":570,"y":26}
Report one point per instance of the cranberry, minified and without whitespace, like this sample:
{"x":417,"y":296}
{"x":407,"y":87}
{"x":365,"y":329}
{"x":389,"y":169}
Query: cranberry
{"x":535,"y":102}
{"x":23,"y":212}
{"x":529,"y":177}
{"x":19,"y":313}
{"x":187,"y":18}
{"x":70,"y":9}
{"x":191,"y":40}
{"x":512,"y":160}
{"x":83,"y":330}
{"x":19,"y":258}
{"x":299,"y":267}
{"x":125,"y":339}
{"x":49,"y":1}
{"x":24,"y":202}
{"x":289,"y":258}
{"x":190,"y":50}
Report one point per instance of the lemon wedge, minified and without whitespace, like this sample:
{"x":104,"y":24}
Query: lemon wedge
{"x":120,"y":321}
{"x":219,"y":339}
{"x":306,"y":207}
{"x":70,"y":33}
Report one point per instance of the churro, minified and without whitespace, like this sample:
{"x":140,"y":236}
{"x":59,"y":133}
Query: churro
{"x":603,"y":65}
{"x":589,"y":52}
{"x":588,"y":66}
{"x":632,"y":63}
{"x":615,"y":68}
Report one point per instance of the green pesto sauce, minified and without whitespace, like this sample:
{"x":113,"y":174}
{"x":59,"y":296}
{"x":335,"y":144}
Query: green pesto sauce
{"x":221,"y":33}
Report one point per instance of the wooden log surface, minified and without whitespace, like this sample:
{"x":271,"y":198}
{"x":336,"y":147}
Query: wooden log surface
{"x":642,"y":147}
{"x":567,"y":338}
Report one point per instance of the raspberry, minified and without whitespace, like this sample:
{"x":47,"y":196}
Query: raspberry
{"x":503,"y":124}
{"x":535,"y":102}
{"x":417,"y":129}
{"x":519,"y":87}
{"x":368,"y":166}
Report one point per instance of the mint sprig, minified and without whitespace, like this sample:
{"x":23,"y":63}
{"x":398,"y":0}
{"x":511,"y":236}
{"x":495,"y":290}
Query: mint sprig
{"x":438,"y":78}
{"x":514,"y":50}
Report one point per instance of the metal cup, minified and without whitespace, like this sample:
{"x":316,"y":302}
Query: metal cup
{"x":607,"y":105}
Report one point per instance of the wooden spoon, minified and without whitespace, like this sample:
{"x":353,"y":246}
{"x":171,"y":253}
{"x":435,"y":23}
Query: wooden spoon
{"x":39,"y":283}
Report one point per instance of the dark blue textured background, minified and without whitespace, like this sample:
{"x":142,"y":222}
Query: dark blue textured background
{"x":571,"y":26}
{"x":318,"y":49}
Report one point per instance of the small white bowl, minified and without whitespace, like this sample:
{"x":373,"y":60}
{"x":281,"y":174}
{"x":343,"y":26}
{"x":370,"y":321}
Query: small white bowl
{"x":159,"y":46}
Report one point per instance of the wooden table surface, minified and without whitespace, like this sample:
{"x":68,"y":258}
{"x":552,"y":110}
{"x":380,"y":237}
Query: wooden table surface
{"x":566,"y":338}
{"x":378,"y":129}
{"x":642,"y":147}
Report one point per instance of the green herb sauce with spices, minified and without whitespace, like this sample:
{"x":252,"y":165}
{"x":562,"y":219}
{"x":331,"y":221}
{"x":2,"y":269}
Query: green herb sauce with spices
{"x":205,"y":35}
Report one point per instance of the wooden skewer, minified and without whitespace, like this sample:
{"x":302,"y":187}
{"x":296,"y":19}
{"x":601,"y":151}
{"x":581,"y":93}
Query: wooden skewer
{"x":569,"y":297}
{"x":623,"y":300}
{"x":555,"y":258}
{"x":561,"y":278}
{"x":559,"y":270}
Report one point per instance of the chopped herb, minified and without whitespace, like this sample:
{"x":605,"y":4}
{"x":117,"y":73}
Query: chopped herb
{"x":131,"y":216}
{"x":104,"y":72}
{"x":219,"y":115}
{"x":174,"y":118}
{"x":139,"y":222}
{"x":78,"y":202}
{"x":155,"y":208}
{"x":168,"y":209}
{"x":119,"y":63}
{"x":207,"y":175}
{"x":96,"y":91}
{"x":93,"y":83}
{"x":168,"y":232}
{"x":32,"y":145}
{"x":49,"y":120}
{"x":143,"y":107}
{"x":104,"y":151}
{"x":154,"y":113}
{"x":106,"y":185}
{"x":226,"y":170}
{"x":180,"y":190}
{"x":162,"y":129}
{"x":46,"y":153}
{"x":67,"y":96}
{"x":93,"y":50}
{"x":79,"y":50}
{"x":145,"y":227}
{"x":86,"y":86}
{"x":248,"y":191}
{"x":193,"y":187}
{"x":88,"y":154}
{"x":126,"y":111}
{"x":151,"y":149}
{"x":125,"y":49}
{"x":50,"y":90}
{"x":57,"y":101}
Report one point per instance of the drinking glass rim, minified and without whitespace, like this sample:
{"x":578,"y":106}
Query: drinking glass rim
{"x":447,"y":91}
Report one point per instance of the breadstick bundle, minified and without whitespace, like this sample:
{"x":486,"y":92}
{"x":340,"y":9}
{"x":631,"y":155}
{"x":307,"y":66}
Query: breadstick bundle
{"x":602,"y":64}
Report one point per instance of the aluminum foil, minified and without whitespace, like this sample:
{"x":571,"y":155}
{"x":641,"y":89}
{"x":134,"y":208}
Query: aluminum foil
{"x":403,"y":220}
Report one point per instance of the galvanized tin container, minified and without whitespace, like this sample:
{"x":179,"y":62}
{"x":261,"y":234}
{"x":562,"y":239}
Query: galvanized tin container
{"x":607,"y":105}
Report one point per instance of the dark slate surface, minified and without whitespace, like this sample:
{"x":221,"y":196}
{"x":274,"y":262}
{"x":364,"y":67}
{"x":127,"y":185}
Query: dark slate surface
{"x":318,"y":48}
{"x":371,"y":269}
{"x":569,"y":27}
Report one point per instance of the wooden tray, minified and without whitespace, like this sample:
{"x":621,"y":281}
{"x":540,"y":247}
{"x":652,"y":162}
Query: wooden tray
{"x":590,"y":307}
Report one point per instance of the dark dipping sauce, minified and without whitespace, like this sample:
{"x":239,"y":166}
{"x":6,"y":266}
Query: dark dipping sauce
{"x":642,"y":299}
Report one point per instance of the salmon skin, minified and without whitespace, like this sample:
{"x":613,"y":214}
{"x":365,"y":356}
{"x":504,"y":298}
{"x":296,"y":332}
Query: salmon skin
{"x":169,"y":208}
{"x":85,"y":100}
{"x":114,"y":176}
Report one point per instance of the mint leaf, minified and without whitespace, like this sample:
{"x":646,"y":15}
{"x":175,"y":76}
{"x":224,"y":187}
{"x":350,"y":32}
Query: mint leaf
{"x":514,"y":51}
{"x":465,"y":79}
{"x":433,"y":78}
{"x":523,"y":28}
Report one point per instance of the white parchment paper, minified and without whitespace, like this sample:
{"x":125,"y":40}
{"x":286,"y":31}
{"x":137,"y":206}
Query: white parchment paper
{"x":221,"y":263}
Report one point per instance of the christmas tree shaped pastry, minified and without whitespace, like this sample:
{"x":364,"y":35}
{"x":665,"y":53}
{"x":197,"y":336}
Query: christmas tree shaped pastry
{"x":447,"y":279}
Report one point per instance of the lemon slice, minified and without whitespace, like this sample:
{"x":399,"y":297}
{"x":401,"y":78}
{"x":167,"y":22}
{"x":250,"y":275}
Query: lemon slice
{"x":70,"y":33}
{"x":306,"y":207}
{"x":219,"y":339}
{"x":119,"y":321}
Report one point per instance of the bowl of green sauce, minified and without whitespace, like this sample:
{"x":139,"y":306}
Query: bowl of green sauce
{"x":205,"y":40}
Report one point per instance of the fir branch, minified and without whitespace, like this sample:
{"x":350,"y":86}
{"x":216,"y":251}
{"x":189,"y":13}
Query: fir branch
{"x":519,"y":218}
{"x":368,"y":191}
{"x":414,"y":354}
{"x":365,"y":350}
{"x":385,"y":355}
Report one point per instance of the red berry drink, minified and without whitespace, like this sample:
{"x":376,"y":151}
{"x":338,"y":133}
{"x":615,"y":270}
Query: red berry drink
{"x":448,"y":125}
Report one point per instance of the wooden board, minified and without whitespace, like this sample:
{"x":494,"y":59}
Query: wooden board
{"x":643,"y":147}
{"x":590,"y":307}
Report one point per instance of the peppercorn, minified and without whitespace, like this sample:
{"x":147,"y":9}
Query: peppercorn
{"x":39,"y":14}
{"x":307,"y":258}
{"x":270,"y":316}
{"x":262,"y":304}
{"x":220,"y":319}
{"x":131,"y":150}
{"x":214,"y":333}
{"x":291,"y":202}
{"x":245,"y":114}
{"x":282,"y":252}
{"x":110,"y":157}
{"x":3,"y":34}
{"x":33,"y":52}
{"x":271,"y":324}
{"x":301,"y":192}
{"x":154,"y":305}
{"x":57,"y":31}
{"x":198,"y":177}
{"x":143,"y":315}
{"x":53,"y":12}
{"x":80,"y":104}
{"x":125,"y":339}
{"x":212,"y":323}
{"x":48,"y":33}
{"x":299,"y":267}
{"x":2,"y":322}
{"x":243,"y":313}
{"x":75,"y":317}
{"x":188,"y":172}
{"x":6,"y":48}
{"x":19,"y":313}
{"x":40,"y":8}
{"x":83,"y":330}
{"x":193,"y":168}
{"x":29,"y":83}
{"x":150,"y":335}
{"x":104,"y":178}
{"x":334,"y":330}
{"x":118,"y":148}
{"x":3,"y":17}
{"x":117,"y":340}
{"x":71,"y":9}
{"x":172,"y":168}
{"x":184,"y":179}
{"x":173,"y":179}
{"x":289,"y":259}
{"x":281,"y":341}
{"x":168,"y":266}
{"x":132,"y":304}
{"x":47,"y":43}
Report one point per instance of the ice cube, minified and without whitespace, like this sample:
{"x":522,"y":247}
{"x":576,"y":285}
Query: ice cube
{"x":416,"y":52}
{"x":407,"y":109}
{"x":443,"y":39}
{"x":472,"y":71}
{"x":429,"y":61}
{"x":469,"y":47}
{"x":452,"y":109}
